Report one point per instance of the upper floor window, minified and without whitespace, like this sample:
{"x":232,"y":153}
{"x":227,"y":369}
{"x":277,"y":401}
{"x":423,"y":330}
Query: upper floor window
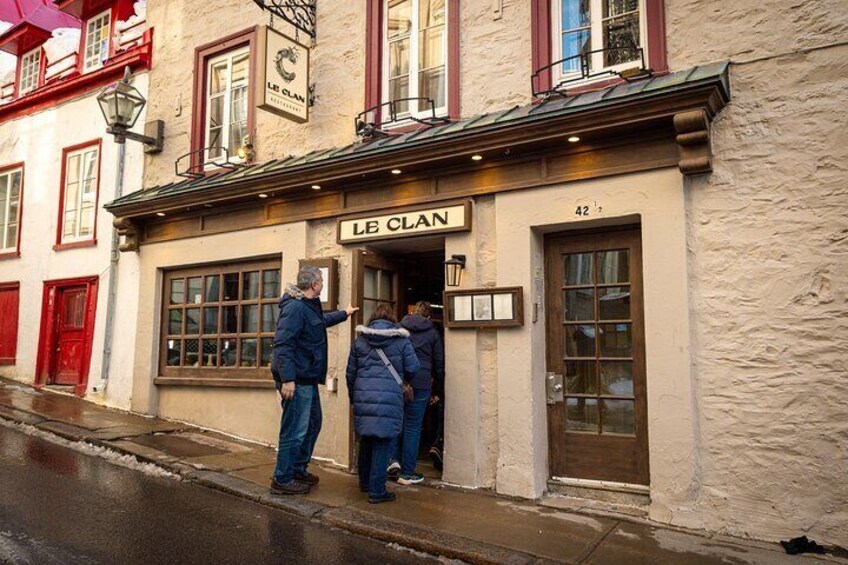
{"x":79,"y":194}
{"x":97,"y":31}
{"x":415,"y":55}
{"x":10,"y":208}
{"x":30,"y":71}
{"x":226,"y":104}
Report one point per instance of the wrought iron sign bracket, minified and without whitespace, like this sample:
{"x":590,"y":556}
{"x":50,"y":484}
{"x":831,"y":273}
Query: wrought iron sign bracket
{"x":299,"y":13}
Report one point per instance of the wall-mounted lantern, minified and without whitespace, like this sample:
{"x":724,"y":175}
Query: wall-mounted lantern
{"x":453,"y":270}
{"x":121,"y":105}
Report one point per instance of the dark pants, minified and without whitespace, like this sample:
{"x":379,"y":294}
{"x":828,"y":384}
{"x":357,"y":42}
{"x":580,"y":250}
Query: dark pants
{"x":404,"y":448}
{"x":299,"y":429}
{"x":373,"y":460}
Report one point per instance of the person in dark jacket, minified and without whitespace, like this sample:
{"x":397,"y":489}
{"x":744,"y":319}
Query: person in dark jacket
{"x":431,"y":355}
{"x":299,"y":365}
{"x":377,"y":397}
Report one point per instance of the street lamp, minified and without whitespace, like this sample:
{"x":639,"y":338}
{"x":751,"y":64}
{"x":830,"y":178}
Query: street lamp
{"x":121,"y":105}
{"x":453,"y":270}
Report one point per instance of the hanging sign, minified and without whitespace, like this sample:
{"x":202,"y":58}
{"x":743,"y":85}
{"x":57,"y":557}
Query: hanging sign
{"x":406,"y":223}
{"x":282,"y":76}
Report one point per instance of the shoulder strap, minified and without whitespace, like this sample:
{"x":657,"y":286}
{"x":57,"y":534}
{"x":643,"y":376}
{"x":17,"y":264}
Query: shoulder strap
{"x":389,"y":366}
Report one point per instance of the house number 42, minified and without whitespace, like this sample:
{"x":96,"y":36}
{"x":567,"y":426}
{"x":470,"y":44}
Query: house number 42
{"x":587,"y":210}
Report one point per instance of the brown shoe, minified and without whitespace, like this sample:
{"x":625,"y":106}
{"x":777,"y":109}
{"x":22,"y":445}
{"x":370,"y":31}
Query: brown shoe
{"x":307,"y":479}
{"x":293,"y":487}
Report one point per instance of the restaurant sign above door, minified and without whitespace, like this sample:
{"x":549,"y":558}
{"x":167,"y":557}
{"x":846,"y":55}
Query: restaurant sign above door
{"x":406,"y":222}
{"x":283,"y":76}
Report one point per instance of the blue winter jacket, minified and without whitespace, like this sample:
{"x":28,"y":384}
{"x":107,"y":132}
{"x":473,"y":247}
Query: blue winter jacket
{"x":430,"y":351}
{"x":376,"y":396}
{"x":300,"y":343}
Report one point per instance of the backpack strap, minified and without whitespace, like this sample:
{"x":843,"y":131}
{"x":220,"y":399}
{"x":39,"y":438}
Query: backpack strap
{"x":389,"y":366}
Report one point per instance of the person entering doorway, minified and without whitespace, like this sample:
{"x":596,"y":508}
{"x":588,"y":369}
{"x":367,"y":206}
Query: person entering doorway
{"x":431,"y":355}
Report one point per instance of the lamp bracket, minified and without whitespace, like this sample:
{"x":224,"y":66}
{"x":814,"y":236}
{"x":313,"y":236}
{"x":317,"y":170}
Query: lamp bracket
{"x":153,"y":138}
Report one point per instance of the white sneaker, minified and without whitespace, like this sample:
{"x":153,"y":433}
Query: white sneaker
{"x":393,"y":469}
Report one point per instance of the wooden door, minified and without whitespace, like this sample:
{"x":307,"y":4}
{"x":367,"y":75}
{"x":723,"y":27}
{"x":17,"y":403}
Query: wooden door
{"x":376,"y":282}
{"x":597,"y":421}
{"x":9,"y":299}
{"x":70,"y":335}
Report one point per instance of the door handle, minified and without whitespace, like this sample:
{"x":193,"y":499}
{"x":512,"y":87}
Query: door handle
{"x":553,"y":387}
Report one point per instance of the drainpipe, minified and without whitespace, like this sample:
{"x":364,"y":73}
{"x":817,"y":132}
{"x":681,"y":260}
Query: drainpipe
{"x":114,"y":256}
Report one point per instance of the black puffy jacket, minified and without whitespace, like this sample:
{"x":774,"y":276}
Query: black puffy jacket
{"x":430,"y":351}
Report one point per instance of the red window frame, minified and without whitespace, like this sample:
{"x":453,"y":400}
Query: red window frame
{"x":374,"y":56}
{"x":42,"y":69}
{"x":202,"y":55}
{"x":17,"y":252}
{"x":9,"y":325}
{"x":118,"y":10}
{"x":542,"y":46}
{"x":92,"y":241}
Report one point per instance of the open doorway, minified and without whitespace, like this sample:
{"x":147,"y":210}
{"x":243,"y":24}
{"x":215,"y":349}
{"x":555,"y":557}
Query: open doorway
{"x":402,"y":273}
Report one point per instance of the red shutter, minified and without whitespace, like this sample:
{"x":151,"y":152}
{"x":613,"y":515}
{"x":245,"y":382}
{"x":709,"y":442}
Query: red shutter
{"x":9,"y":299}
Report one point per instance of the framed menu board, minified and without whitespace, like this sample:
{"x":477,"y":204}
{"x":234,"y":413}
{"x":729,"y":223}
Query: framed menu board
{"x":484,"y":307}
{"x":330,"y":273}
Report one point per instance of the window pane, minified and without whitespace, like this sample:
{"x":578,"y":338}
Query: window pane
{"x":228,"y":352}
{"x":370,"y":283}
{"x":575,"y":14}
{"x":250,"y":288}
{"x":195,"y":295}
{"x":269,"y":317}
{"x":231,"y":286}
{"x":271,"y":283}
{"x":368,"y":308}
{"x":399,"y":17}
{"x":621,"y":38}
{"x":192,"y":356}
{"x":580,"y":377}
{"x":73,"y":172}
{"x":86,"y":220}
{"x":172,"y":358}
{"x":192,"y":321}
{"x":578,"y":269}
{"x":175,"y":321}
{"x":210,"y":320}
{"x":229,"y":319}
{"x":431,"y":13}
{"x":218,"y":78}
{"x":431,"y":84}
{"x":177,"y":291}
{"x":213,"y":288}
{"x":90,"y":169}
{"x":4,"y":196}
{"x":430,"y":48}
{"x":216,"y":112}
{"x":241,"y":66}
{"x":614,"y":303}
{"x":619,"y":416}
{"x":267,"y":351}
{"x":386,"y":286}
{"x":617,"y":7}
{"x":398,"y":89}
{"x":580,"y":341}
{"x":398,"y":58}
{"x":248,"y":353}
{"x":580,"y":305}
{"x":575,"y":43}
{"x":613,"y":267}
{"x":581,"y":414}
{"x":70,"y":224}
{"x":250,"y":319}
{"x":617,"y":378}
{"x":210,"y":352}
{"x":616,"y":340}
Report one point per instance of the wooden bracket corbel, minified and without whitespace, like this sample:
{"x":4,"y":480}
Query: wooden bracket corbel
{"x":693,"y":142}
{"x":129,"y":230}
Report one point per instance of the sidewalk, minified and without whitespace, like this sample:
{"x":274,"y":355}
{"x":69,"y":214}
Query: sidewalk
{"x":476,"y":527}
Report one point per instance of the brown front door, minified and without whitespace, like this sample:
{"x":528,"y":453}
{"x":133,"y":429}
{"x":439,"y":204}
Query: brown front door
{"x":376,"y":282}
{"x":597,"y":417}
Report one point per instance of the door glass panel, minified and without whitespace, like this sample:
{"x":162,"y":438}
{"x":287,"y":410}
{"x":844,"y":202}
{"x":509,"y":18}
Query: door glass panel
{"x":213,"y":288}
{"x":581,"y":414}
{"x":614,"y":303}
{"x":194,"y":292}
{"x":173,"y":357}
{"x":210,"y":352}
{"x":175,"y":322}
{"x":619,"y":417}
{"x":269,"y":317}
{"x":231,"y":286}
{"x":617,"y":378}
{"x":248,"y":352}
{"x":580,"y":305}
{"x":613,"y":267}
{"x":192,"y":357}
{"x":616,"y":340}
{"x":370,"y":283}
{"x":192,"y":321}
{"x":177,"y":291}
{"x":228,"y":352}
{"x":386,"y":286}
{"x":229,"y":319}
{"x":73,"y":309}
{"x":250,"y":319}
{"x":368,"y":308}
{"x":577,"y":269}
{"x":210,"y":320}
{"x":271,"y":283}
{"x":267,"y":351}
{"x":250,"y":289}
{"x":580,"y":340}
{"x":580,"y":377}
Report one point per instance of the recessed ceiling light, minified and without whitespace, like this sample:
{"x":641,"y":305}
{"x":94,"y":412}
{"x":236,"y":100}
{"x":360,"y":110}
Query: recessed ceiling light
{"x":207,"y":205}
{"x":263,"y":195}
{"x":160,"y":214}
{"x":396,"y":171}
{"x":316,"y":187}
{"x":476,"y":157}
{"x":573,"y":139}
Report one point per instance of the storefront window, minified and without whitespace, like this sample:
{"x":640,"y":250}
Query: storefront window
{"x":219,"y":321}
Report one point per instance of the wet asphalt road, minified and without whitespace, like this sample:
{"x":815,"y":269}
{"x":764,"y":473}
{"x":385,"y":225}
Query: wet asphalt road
{"x":59,"y":506}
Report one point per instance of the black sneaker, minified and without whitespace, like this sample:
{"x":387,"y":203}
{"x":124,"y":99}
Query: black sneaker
{"x":307,"y":479}
{"x":293,"y":487}
{"x":377,"y":499}
{"x":436,"y":458}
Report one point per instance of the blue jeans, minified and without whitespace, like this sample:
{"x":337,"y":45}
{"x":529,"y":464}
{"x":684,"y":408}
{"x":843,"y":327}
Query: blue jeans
{"x":405,"y":450}
{"x":299,"y":429}
{"x":373,"y":460}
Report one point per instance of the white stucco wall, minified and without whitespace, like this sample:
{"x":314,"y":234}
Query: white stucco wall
{"x":37,"y":140}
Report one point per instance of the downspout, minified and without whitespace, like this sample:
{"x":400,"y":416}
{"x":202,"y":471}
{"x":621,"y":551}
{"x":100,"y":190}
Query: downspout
{"x":114,"y":256}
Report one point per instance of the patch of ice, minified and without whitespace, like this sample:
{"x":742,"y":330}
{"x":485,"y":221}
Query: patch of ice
{"x":423,"y":555}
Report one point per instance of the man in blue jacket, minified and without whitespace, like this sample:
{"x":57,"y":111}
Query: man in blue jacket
{"x":299,"y":365}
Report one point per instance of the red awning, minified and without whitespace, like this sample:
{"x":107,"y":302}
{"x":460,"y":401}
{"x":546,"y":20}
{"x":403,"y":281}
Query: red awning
{"x":33,"y":21}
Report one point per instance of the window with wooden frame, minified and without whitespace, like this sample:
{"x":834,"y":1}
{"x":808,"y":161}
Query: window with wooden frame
{"x":11,"y":191}
{"x":413,"y":52}
{"x":30,"y":72}
{"x":607,"y":33}
{"x":223,"y":112}
{"x":219,"y":320}
{"x":80,"y":186}
{"x":96,"y":46}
